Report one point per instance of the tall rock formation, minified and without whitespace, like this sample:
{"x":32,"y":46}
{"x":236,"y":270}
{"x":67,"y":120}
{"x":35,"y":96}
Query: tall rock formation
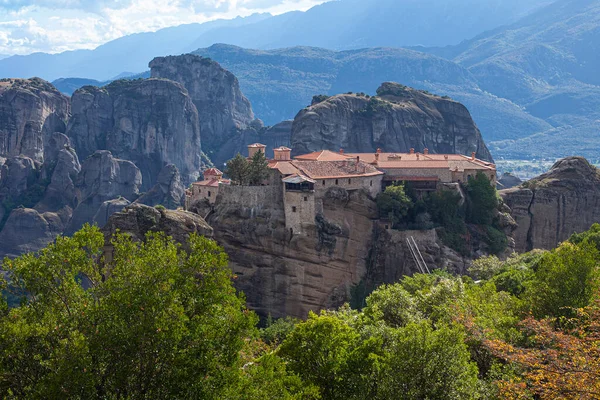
{"x":222,"y":108}
{"x":30,"y":111}
{"x":398,"y":119}
{"x":551,"y":207}
{"x":168,"y":191}
{"x":103,"y":178}
{"x":284,"y":274}
{"x":150,"y":122}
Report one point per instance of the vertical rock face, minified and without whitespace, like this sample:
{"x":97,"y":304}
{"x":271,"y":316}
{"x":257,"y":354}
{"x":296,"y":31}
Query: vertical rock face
{"x":151,"y":122}
{"x":103,"y":178}
{"x":168,"y":191}
{"x":30,"y":111}
{"x":551,"y":207}
{"x":286,"y":274}
{"x":222,"y":108}
{"x":398,"y":119}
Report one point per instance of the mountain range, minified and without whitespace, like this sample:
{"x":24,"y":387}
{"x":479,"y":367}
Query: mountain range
{"x":527,"y":72}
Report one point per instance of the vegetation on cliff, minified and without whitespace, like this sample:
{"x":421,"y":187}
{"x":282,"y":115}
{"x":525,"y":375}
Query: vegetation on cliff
{"x":454,"y":217}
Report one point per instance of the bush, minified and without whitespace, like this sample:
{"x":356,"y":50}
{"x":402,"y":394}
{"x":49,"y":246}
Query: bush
{"x":319,"y":99}
{"x":394,"y":204}
{"x":496,"y":240}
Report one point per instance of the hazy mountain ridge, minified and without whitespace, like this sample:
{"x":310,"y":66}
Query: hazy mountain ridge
{"x":281,"y":82}
{"x":358,"y":24}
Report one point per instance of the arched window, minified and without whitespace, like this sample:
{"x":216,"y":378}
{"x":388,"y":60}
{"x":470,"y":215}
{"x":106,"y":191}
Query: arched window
{"x":336,"y":182}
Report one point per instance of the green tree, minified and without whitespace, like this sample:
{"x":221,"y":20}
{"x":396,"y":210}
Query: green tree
{"x":423,"y":363}
{"x":393,"y":305}
{"x":329,"y":353}
{"x":394,"y":203}
{"x":566,"y":279}
{"x":258,"y":169}
{"x":482,"y":200}
{"x":238,"y":170}
{"x":152,"y":322}
{"x":592,"y":235}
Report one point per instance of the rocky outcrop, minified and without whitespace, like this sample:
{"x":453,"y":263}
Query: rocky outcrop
{"x":103,"y":178}
{"x":168,"y":191}
{"x":137,"y":220}
{"x":551,"y":207}
{"x":398,"y":119}
{"x":508,"y":180}
{"x":61,"y":168}
{"x":28,"y":230}
{"x":222,"y":108}
{"x":31,"y":110}
{"x":282,"y":273}
{"x":151,"y":122}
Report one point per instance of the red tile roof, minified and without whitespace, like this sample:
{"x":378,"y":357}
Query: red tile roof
{"x":335,"y":169}
{"x":323,"y":155}
{"x":213,"y":172}
{"x":212,"y":182}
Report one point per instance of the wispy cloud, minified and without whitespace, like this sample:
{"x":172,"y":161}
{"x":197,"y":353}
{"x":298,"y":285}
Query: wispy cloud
{"x":28,"y":26}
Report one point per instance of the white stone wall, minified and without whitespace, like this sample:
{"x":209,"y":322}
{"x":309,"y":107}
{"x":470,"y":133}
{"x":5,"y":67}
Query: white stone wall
{"x":299,"y":211}
{"x":370,"y":183}
{"x":203,"y":192}
{"x":444,"y":174}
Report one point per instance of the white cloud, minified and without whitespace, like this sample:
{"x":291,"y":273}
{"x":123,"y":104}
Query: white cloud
{"x":28,"y":26}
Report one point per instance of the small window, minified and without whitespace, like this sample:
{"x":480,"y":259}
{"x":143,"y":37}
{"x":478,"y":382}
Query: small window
{"x":371,"y":183}
{"x":323,"y":182}
{"x":294,"y":209}
{"x":349,"y":181}
{"x":336,"y":182}
{"x":209,"y":193}
{"x":305,"y":198}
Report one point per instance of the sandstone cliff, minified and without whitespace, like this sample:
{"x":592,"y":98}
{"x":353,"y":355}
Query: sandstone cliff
{"x":102,"y":178}
{"x":283,"y":273}
{"x":30,"y":111}
{"x":168,"y":191}
{"x":551,"y":207}
{"x":398,"y":119}
{"x":150,"y":122}
{"x":222,"y":108}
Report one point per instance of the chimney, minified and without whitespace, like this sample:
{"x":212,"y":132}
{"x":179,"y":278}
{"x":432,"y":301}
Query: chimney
{"x":445,"y":156}
{"x":379,"y":151}
{"x":377,"y":157}
{"x":412,"y":151}
{"x":255,"y":148}
{"x":357,"y":162}
{"x":282,"y":153}
{"x":341,"y":151}
{"x":473,"y":156}
{"x":425,"y":151}
{"x":417,"y":156}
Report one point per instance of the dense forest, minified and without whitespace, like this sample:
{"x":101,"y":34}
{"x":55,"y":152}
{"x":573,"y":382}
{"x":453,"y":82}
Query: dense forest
{"x":159,"y":320}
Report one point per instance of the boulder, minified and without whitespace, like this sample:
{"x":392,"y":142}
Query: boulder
{"x":137,"y":220}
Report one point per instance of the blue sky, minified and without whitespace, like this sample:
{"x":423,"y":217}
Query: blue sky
{"x":28,"y":26}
